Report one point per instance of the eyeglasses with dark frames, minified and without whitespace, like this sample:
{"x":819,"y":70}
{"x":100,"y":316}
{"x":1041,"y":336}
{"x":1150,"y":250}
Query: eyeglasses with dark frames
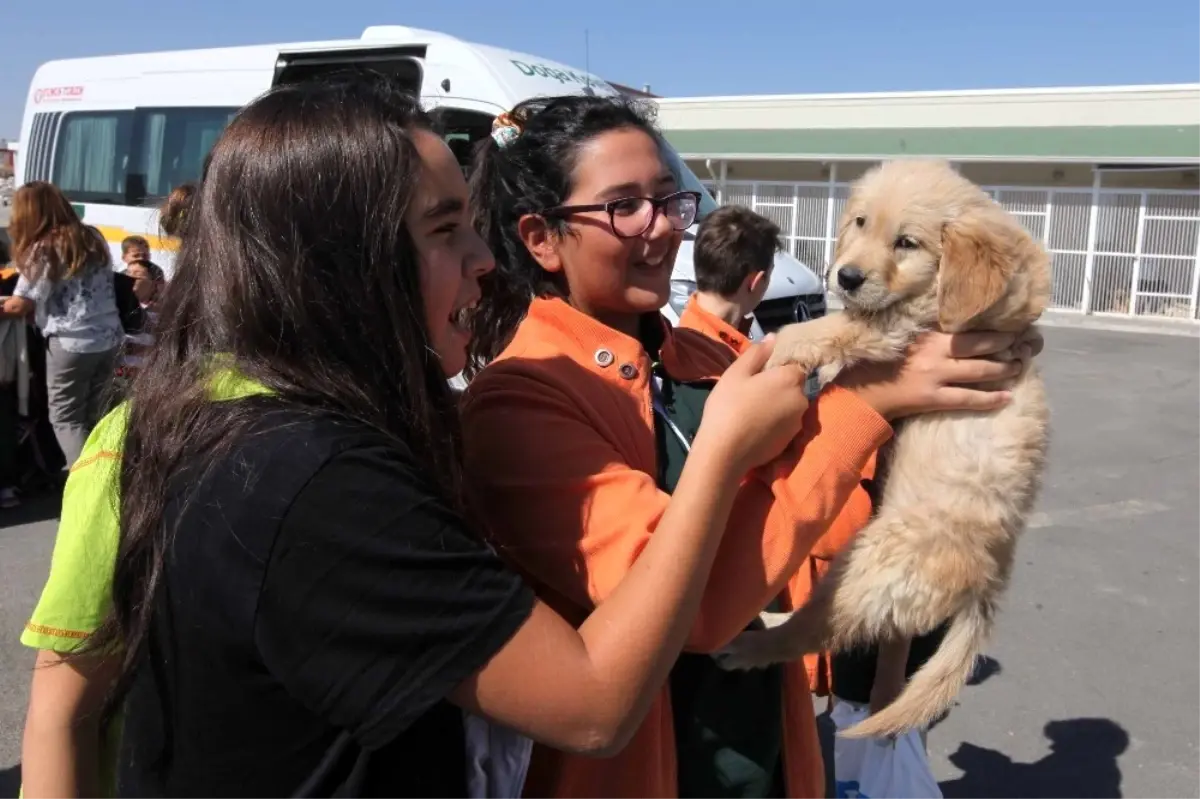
{"x":630,"y":217}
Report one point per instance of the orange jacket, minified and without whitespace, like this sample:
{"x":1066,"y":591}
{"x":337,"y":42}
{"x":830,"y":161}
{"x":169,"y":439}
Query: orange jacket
{"x":696,"y":318}
{"x":854,"y":515}
{"x":560,"y":457}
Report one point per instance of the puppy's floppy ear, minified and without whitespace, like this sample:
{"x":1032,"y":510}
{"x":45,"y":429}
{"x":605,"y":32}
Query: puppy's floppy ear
{"x":976,"y":267}
{"x":844,"y":226}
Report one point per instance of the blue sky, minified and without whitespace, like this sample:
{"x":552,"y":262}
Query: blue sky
{"x":746,"y":47}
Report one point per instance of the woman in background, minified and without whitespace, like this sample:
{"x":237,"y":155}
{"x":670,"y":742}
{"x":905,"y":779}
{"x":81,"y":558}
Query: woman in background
{"x":66,"y":281}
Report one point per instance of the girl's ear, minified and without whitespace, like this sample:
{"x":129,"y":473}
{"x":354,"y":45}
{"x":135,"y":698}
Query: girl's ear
{"x":541,"y":241}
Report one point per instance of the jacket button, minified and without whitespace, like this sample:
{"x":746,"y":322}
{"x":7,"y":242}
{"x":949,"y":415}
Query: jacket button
{"x":603,"y":357}
{"x":628,"y":371}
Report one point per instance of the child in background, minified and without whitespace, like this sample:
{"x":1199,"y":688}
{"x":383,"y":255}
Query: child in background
{"x":734,"y":253}
{"x":147,"y":284}
{"x":134,"y":249}
{"x":142,"y":283}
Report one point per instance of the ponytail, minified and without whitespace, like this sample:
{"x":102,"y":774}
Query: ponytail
{"x":172,"y":214}
{"x":517,"y":279}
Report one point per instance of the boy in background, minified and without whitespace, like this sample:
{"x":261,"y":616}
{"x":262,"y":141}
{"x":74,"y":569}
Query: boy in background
{"x":734,"y":253}
{"x":134,"y":249}
{"x":138,"y":306}
{"x":138,"y":285}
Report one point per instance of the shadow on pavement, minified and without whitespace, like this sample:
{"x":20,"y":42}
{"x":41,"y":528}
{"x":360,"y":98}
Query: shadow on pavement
{"x":10,"y":782}
{"x":1082,"y":763}
{"x":40,"y":507}
{"x":986,"y":667}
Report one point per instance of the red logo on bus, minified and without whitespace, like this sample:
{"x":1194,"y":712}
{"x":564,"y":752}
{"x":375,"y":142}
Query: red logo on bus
{"x":57,"y":93}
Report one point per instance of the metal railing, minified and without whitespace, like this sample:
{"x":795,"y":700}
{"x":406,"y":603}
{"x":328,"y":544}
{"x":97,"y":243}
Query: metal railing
{"x":1132,"y":252}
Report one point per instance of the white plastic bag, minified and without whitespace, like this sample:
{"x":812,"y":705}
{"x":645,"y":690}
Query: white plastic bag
{"x":879,"y":768}
{"x":497,"y":759}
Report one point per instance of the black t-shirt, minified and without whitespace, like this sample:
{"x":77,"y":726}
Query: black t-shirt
{"x":316,"y":605}
{"x":129,"y":307}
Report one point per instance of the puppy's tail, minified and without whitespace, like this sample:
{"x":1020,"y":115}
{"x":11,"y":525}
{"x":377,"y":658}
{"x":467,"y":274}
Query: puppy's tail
{"x":931,"y":690}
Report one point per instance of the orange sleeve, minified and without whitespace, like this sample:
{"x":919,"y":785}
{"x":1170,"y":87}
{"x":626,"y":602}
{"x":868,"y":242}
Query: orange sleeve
{"x":571,"y":513}
{"x":853,"y":517}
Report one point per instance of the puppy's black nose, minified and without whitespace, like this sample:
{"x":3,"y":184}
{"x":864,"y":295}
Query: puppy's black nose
{"x":851,"y":277}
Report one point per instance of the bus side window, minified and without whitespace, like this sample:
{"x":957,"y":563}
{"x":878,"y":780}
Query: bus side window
{"x":173,"y":143}
{"x":92,"y":154}
{"x":462,"y":129}
{"x":38,"y":152}
{"x":462,"y":148}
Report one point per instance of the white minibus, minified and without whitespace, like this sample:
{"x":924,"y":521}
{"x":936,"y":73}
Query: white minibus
{"x":117,"y":133}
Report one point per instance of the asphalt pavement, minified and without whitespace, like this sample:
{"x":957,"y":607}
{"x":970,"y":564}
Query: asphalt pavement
{"x":1091,"y":686}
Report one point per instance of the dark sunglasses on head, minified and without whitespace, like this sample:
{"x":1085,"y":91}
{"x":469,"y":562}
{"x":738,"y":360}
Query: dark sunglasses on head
{"x":630,"y":217}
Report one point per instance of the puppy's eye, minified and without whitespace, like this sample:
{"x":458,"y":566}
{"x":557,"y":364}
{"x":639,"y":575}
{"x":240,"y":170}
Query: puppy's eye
{"x":860,"y":221}
{"x":906,"y":243}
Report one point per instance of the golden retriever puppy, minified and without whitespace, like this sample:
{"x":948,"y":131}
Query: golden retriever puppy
{"x":920,"y":248}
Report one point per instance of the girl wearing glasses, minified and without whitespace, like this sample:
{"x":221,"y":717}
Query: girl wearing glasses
{"x":577,"y":430}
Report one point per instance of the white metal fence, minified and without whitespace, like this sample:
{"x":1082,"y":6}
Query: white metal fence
{"x":1115,"y":251}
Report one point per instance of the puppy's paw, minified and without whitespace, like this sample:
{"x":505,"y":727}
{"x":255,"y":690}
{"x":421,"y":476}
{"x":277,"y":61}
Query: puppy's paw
{"x":828,"y":373}
{"x":794,"y":344}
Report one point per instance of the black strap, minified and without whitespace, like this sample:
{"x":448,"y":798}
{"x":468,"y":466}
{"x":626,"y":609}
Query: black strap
{"x":728,"y":725}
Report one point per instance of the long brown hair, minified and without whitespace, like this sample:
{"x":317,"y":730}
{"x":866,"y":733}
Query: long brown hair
{"x":48,"y":238}
{"x":297,"y":269}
